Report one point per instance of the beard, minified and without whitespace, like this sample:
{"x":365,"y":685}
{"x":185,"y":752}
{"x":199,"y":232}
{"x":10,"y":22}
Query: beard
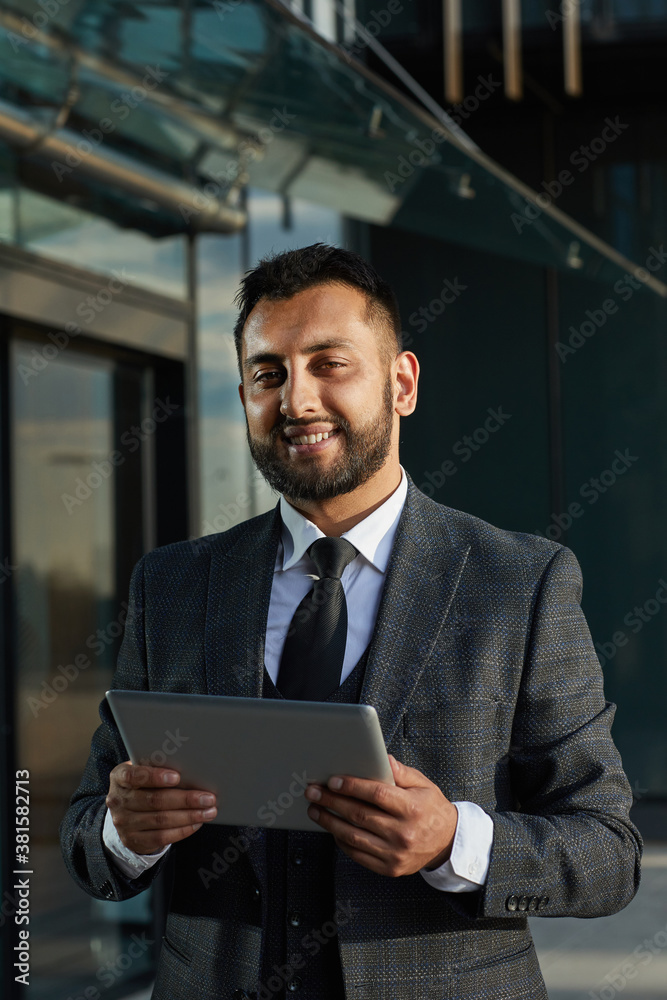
{"x":365,"y":451}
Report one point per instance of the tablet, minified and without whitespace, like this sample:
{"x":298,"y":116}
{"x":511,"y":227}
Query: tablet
{"x":257,"y":755}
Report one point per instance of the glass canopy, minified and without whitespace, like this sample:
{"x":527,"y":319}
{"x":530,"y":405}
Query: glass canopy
{"x":222,"y":94}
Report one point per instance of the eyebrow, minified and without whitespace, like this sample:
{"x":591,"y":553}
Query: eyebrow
{"x":323,"y":345}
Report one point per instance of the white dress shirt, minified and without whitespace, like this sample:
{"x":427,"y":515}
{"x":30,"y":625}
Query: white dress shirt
{"x":363,"y":581}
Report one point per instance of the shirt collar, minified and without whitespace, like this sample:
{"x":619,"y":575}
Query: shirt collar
{"x":373,"y":537}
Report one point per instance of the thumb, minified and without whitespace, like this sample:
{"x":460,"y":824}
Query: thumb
{"x":406,"y":777}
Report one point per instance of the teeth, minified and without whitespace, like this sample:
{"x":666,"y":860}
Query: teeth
{"x":311,"y":438}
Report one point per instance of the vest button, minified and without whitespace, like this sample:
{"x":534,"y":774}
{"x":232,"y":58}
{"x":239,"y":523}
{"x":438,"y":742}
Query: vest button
{"x":295,"y":919}
{"x":294,"y":984}
{"x":297,"y":857}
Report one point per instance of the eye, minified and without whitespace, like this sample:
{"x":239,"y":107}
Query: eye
{"x":262,"y":376}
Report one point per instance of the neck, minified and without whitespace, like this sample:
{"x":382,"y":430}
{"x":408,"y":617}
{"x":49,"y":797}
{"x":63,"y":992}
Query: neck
{"x":334,"y":517}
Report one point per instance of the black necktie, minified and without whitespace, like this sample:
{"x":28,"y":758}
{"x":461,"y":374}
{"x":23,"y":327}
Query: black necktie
{"x":312,"y":659}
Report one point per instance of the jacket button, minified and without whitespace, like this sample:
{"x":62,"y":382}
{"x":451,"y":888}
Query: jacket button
{"x":544,"y":901}
{"x":512,"y":902}
{"x":532,"y":903}
{"x":295,"y":919}
{"x":294,"y":984}
{"x":523,"y":903}
{"x":297,"y":857}
{"x":256,"y":893}
{"x":107,"y":889}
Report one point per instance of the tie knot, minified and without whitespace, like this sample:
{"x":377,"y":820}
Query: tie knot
{"x":331,"y":556}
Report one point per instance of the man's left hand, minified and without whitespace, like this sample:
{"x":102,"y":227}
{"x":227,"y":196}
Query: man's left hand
{"x":391,"y":829}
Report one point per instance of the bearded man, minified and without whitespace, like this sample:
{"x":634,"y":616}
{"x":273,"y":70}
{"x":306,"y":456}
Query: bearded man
{"x":509,"y":795}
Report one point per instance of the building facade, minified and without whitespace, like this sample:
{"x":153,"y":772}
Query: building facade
{"x":150,"y":153}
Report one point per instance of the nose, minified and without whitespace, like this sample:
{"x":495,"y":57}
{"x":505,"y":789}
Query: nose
{"x":300,"y":395}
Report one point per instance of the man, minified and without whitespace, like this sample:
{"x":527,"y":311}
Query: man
{"x":510,"y":797}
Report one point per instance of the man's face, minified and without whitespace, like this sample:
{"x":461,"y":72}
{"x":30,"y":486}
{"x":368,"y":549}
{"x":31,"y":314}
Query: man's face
{"x":312,"y":365}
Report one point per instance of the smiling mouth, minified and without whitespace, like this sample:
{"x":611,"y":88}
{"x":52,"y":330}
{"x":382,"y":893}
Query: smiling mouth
{"x":312,"y":438}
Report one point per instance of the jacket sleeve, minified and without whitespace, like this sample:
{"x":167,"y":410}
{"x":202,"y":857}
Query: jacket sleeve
{"x":88,"y":861}
{"x":569,"y":848}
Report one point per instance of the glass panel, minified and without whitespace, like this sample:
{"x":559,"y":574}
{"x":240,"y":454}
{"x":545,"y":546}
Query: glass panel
{"x":239,"y":90}
{"x":47,"y":69}
{"x":7,"y":195}
{"x":624,"y":201}
{"x":481,"y":423}
{"x":67,"y":502}
{"x":66,"y":233}
{"x":614,"y":373}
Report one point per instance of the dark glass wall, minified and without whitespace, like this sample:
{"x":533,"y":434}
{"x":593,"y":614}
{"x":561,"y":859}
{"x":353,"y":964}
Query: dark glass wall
{"x":478,"y":440}
{"x":615,"y":443}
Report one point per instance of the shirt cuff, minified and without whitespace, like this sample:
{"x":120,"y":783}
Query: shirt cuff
{"x":467,"y":866}
{"x":130,"y":864}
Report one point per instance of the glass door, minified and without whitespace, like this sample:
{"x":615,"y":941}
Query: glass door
{"x":83,"y":429}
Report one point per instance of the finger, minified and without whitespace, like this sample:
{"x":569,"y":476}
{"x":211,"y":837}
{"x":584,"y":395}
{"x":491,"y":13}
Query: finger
{"x":386,"y":797}
{"x":352,"y":836}
{"x":356,"y":811}
{"x":161,"y":800}
{"x":142,"y":822}
{"x":129,"y":775}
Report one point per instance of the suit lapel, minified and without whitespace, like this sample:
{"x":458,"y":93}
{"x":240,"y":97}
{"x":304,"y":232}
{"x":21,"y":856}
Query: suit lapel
{"x":422,"y":576}
{"x":238,"y":605}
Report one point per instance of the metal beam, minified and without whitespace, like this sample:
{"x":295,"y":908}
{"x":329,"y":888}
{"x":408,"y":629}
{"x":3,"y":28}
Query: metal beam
{"x":512,"y":49}
{"x":453,"y":44}
{"x":572,"y":49}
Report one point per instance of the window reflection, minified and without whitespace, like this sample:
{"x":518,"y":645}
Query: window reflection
{"x":7,"y":181}
{"x":71,"y":235}
{"x":67,"y":232}
{"x":226,"y":494}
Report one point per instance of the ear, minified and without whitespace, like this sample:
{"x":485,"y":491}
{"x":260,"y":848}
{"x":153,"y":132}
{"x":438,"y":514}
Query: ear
{"x":242,"y":395}
{"x":406,"y":373}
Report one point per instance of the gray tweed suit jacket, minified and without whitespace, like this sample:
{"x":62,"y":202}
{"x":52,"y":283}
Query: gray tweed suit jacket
{"x":484,"y":677}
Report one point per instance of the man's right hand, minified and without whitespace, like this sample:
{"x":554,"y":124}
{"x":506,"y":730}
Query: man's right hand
{"x":149,"y":812}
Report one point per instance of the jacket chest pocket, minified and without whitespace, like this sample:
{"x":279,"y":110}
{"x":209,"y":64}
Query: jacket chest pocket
{"x":454,"y":743}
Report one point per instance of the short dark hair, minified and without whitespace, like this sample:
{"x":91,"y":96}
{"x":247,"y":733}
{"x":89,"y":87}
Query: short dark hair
{"x":282,"y":275}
